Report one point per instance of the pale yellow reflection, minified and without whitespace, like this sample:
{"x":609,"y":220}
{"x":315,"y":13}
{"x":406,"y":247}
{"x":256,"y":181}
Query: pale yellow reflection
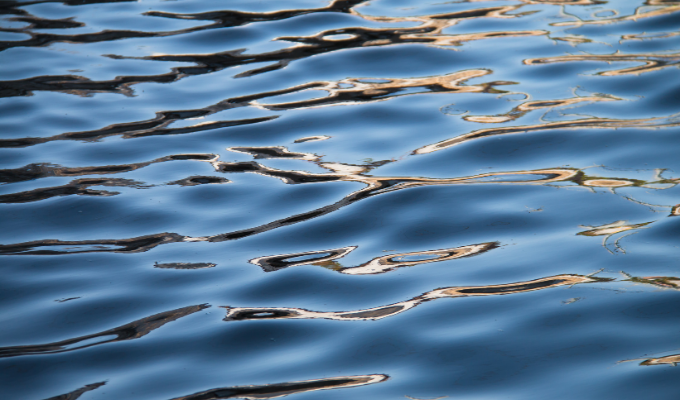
{"x":609,"y":230}
{"x":608,"y":183}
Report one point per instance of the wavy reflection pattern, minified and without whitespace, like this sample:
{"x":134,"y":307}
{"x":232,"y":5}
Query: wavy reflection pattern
{"x":246,"y":313}
{"x":377,"y":265}
{"x":340,"y":172}
{"x":633,"y":52}
{"x":350,"y":91}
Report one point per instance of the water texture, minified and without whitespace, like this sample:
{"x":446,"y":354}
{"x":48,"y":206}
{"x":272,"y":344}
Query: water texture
{"x":386,"y":199}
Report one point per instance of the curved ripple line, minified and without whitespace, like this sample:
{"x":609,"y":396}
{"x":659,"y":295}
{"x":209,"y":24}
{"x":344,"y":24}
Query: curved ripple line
{"x":650,"y":62}
{"x":251,"y":313}
{"x":588,"y":123}
{"x":377,"y":265}
{"x":74,"y":395}
{"x":284,"y":389}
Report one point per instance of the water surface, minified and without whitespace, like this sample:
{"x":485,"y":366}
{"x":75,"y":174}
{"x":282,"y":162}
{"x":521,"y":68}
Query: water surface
{"x":347,"y":199}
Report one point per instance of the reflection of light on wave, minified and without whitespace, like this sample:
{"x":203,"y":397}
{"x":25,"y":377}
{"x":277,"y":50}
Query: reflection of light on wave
{"x":376,"y":266}
{"x":252,"y":313}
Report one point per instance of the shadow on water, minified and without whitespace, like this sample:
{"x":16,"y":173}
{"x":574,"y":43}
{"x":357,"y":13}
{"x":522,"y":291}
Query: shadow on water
{"x":284,"y":389}
{"x":133,"y":330}
{"x":79,"y":187}
{"x":37,"y":171}
{"x":184,"y":265}
{"x":78,"y":392}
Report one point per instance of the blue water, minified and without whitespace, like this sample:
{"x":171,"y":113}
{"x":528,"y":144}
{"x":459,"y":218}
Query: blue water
{"x":355,"y":199}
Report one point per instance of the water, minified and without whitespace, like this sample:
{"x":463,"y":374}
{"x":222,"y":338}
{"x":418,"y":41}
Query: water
{"x":372,"y":200}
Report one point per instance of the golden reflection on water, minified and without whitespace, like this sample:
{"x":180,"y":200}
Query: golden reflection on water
{"x":609,"y":230}
{"x":612,"y":183}
{"x":675,"y":211}
{"x":250,"y":313}
{"x":668,"y":360}
{"x":649,"y":36}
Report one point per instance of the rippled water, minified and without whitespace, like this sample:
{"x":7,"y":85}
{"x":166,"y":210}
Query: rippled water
{"x":355,"y":199}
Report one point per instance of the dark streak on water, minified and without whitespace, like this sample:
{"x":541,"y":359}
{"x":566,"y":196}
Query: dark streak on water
{"x":306,"y":179}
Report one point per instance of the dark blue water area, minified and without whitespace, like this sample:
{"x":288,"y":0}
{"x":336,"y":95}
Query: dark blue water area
{"x":345,"y":199}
